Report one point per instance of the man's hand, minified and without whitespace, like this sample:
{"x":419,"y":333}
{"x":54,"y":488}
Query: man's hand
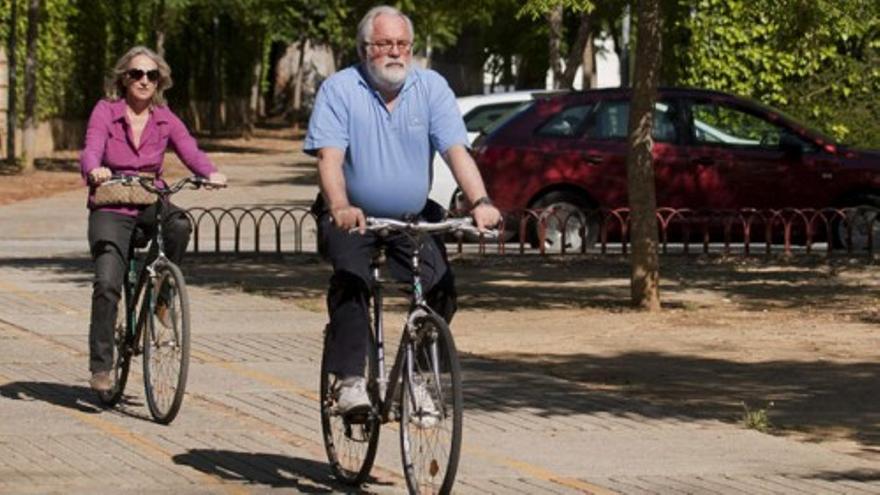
{"x":486,"y":216}
{"x":217,"y":178}
{"x":99,"y":175}
{"x":347,"y":217}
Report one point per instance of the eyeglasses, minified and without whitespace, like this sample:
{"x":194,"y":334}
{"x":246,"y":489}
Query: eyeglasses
{"x":137,"y":74}
{"x":385,"y":46}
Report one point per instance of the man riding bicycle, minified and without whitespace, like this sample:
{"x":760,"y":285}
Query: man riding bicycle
{"x":374,"y":128}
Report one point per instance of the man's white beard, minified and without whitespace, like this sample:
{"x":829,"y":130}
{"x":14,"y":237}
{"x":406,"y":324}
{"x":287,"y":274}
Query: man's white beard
{"x":388,"y":78}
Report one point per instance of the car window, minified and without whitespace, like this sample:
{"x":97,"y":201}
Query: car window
{"x":610,"y":120}
{"x":567,"y":122}
{"x":478,"y":118}
{"x":723,"y":125}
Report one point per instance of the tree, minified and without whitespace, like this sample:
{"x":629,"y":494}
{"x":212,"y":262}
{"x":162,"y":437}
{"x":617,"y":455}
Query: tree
{"x":645,"y":279}
{"x":12,"y":118}
{"x":30,"y":87}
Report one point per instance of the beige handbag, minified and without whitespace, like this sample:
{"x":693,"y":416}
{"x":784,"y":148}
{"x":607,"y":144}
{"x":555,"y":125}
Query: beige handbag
{"x":124,"y":194}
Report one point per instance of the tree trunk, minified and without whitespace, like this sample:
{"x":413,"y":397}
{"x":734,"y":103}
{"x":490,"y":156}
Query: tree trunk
{"x":215,"y":75}
{"x":29,"y":143}
{"x":160,"y":28}
{"x":576,"y":52}
{"x":590,"y":78}
{"x":624,"y":50}
{"x":298,"y":80}
{"x":554,"y":21}
{"x":12,"y":115}
{"x":645,"y":280}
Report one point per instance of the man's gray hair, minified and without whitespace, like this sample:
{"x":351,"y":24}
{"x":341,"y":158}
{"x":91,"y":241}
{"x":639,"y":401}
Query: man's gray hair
{"x":365,"y":27}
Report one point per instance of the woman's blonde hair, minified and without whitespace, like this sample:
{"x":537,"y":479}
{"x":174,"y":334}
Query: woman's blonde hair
{"x":115,"y":85}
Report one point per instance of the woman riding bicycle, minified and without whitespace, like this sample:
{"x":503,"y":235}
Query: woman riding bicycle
{"x":128,"y":133}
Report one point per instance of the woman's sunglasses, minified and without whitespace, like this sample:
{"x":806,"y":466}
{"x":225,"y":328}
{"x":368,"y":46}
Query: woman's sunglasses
{"x":137,"y":74}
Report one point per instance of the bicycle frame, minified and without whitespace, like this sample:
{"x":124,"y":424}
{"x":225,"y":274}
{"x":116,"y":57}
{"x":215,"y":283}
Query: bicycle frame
{"x":135,"y":281}
{"x":388,"y":382}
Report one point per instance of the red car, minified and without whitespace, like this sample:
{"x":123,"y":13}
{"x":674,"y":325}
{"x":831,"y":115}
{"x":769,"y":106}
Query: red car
{"x":712,"y":151}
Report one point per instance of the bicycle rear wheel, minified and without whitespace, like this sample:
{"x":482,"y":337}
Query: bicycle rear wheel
{"x":431,"y":412}
{"x":166,"y":344}
{"x":121,"y":354}
{"x":350,"y":444}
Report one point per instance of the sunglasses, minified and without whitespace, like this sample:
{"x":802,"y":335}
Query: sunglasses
{"x":137,"y":74}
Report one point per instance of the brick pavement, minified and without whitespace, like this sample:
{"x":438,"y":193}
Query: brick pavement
{"x":249,"y":423}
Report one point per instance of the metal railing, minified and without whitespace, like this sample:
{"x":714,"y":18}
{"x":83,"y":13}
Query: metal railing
{"x":747,"y":231}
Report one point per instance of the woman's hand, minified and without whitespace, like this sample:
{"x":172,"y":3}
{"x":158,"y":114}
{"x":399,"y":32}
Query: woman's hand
{"x":99,"y":175}
{"x":217,"y":178}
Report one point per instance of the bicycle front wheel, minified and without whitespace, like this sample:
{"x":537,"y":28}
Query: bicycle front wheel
{"x":431,"y":412}
{"x":121,"y":354}
{"x":166,"y":343}
{"x":350,"y":442}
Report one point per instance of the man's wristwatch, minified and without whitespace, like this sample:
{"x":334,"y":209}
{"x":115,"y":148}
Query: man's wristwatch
{"x":482,"y":201}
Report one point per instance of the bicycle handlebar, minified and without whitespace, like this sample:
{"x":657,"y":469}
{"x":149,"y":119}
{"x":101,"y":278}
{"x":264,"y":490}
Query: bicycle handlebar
{"x":148,"y":183}
{"x":375,"y":224}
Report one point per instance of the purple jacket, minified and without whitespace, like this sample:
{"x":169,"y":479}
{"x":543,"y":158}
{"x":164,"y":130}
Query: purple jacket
{"x":109,"y":143}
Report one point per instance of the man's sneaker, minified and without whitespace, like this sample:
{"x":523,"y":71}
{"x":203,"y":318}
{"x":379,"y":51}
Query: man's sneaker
{"x":100,"y":381}
{"x":353,"y":398}
{"x":425,"y":413}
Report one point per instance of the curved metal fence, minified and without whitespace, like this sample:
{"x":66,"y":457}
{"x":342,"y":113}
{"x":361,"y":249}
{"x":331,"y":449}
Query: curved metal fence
{"x":788,"y":231}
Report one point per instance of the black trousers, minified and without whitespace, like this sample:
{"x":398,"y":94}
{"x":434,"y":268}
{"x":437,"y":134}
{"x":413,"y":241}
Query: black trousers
{"x":349,"y":294}
{"x":110,"y":237}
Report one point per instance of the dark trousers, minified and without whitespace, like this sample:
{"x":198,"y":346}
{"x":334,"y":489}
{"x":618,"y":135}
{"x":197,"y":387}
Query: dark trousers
{"x":110,"y":237}
{"x":349,"y":294}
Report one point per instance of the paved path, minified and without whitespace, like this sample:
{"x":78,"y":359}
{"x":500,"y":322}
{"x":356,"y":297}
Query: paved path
{"x":249,"y":423}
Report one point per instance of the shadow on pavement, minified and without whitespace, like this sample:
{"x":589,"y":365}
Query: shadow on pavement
{"x":81,"y":399}
{"x":813,"y":398}
{"x":304,"y":475}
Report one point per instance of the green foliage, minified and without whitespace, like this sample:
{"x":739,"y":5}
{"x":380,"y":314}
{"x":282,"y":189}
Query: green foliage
{"x":757,"y":419}
{"x":54,"y":52}
{"x":538,"y":8}
{"x":819,"y":65}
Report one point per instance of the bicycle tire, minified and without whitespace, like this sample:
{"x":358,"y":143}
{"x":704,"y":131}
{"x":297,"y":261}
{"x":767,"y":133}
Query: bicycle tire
{"x":122,"y":352}
{"x":351,"y":447}
{"x":430,"y":442}
{"x":166,"y":347}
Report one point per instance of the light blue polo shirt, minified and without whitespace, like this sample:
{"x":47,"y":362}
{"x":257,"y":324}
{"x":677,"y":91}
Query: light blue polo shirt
{"x":387,"y":154}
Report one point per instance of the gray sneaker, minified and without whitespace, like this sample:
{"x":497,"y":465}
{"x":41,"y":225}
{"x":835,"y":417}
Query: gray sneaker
{"x":352,"y":397}
{"x":425,"y":413}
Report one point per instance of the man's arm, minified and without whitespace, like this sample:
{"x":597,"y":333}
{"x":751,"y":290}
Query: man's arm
{"x":468,"y":177}
{"x":332,"y":182}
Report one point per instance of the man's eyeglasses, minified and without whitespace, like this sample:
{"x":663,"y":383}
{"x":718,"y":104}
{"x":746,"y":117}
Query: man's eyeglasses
{"x":137,"y":74}
{"x":385,"y":46}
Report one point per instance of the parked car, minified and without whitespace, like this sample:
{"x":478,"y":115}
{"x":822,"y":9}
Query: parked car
{"x":478,"y":112}
{"x":712,"y":151}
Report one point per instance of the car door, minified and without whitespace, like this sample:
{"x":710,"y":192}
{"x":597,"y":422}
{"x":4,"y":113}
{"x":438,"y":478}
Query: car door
{"x":605,"y":146}
{"x":739,"y":157}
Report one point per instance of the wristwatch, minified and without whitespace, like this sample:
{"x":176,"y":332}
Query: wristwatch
{"x":482,"y":201}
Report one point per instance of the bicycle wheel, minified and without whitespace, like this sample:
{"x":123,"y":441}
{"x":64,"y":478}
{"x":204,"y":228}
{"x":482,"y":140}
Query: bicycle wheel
{"x":121,"y":355}
{"x":431,"y":412}
{"x":166,"y":344}
{"x":350,"y":444}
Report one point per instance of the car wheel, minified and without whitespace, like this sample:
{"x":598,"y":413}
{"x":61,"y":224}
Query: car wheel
{"x":565,"y":212}
{"x":862,"y":215}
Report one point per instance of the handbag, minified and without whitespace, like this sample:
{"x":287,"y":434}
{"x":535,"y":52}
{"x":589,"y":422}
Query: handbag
{"x":124,"y":194}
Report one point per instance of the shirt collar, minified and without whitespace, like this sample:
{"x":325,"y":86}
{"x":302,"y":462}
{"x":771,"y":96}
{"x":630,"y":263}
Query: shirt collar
{"x":117,"y":112}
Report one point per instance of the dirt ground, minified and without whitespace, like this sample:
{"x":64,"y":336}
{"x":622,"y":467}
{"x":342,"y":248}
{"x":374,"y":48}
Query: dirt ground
{"x":796,"y":342}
